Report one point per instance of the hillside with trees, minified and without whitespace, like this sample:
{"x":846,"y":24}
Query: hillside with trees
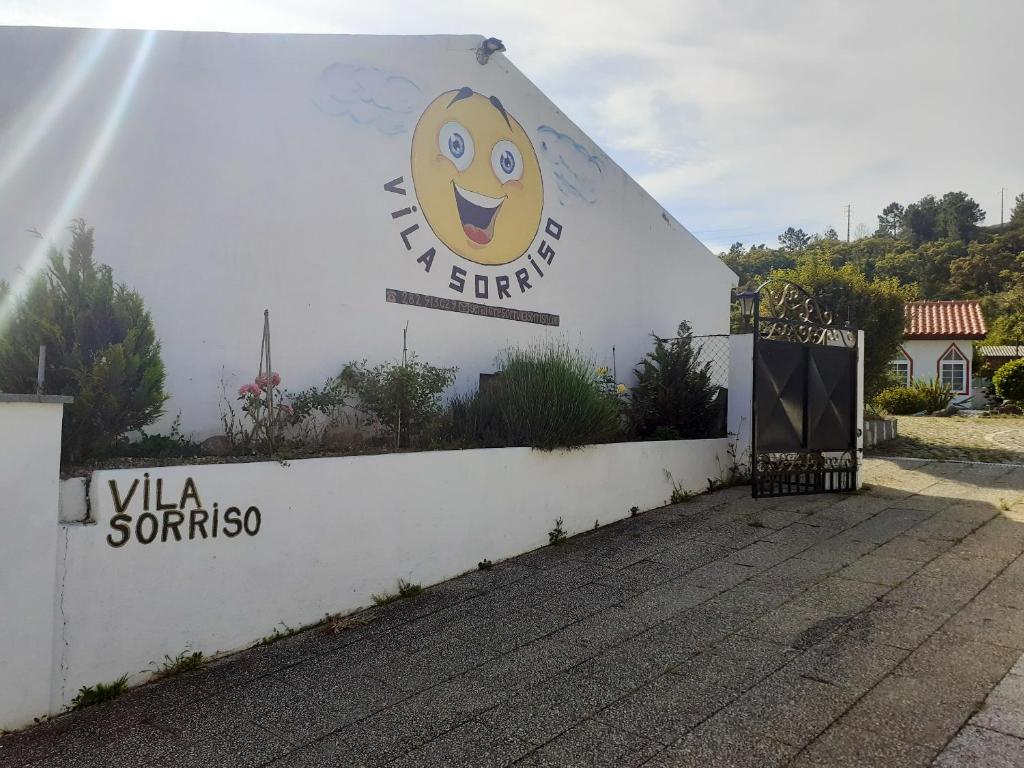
{"x":935,"y":248}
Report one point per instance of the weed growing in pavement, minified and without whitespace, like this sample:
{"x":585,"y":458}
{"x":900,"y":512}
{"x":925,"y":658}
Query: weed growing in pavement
{"x":485,"y":565}
{"x":88,"y":695}
{"x":405,"y":589}
{"x":557,"y":535}
{"x":183,"y":662}
{"x":634,"y":511}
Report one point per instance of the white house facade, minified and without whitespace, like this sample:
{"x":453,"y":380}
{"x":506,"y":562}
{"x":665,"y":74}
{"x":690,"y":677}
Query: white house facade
{"x":353,"y":185}
{"x":938,"y":343}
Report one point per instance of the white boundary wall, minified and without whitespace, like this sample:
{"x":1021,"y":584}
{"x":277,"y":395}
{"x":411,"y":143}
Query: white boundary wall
{"x":331,"y":533}
{"x":91,"y":602}
{"x":30,"y":429}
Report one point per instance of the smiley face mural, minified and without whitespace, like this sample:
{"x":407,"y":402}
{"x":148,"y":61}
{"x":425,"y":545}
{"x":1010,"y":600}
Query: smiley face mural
{"x":477,"y":177}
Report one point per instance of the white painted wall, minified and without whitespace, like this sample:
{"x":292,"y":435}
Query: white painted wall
{"x":241,"y":171}
{"x":926,"y":353}
{"x":29,"y":469}
{"x":741,"y":392}
{"x":334,"y":532}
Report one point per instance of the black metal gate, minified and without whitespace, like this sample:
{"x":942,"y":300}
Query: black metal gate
{"x":804,"y":429}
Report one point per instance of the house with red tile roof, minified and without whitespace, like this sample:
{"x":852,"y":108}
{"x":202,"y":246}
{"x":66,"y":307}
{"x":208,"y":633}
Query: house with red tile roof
{"x":938,"y":343}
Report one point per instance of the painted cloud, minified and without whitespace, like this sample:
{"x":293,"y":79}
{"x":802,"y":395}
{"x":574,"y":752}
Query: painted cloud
{"x":579,"y":172}
{"x":370,"y":96}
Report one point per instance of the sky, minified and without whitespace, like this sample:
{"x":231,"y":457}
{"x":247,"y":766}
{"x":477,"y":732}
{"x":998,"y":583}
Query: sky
{"x":741,"y":117}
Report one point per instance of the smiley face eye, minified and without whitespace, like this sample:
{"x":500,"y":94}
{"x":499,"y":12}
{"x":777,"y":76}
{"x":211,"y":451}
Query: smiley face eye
{"x":456,"y":143}
{"x":507,"y":161}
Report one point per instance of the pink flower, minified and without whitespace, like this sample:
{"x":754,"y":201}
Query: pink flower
{"x":262,"y":381}
{"x":268,"y":380}
{"x":250,"y":389}
{"x":287,"y":409}
{"x":275,"y":379}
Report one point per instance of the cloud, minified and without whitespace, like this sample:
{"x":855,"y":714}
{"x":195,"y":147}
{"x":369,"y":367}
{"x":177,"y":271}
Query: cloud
{"x":742,"y":117}
{"x":369,"y":96}
{"x":578,"y":171}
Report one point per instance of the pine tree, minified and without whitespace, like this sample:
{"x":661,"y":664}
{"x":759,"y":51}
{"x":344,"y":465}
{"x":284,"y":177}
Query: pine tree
{"x":101,"y":349}
{"x":674,"y":396}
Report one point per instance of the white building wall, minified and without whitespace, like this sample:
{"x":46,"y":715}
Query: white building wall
{"x":925,"y":355}
{"x":228,"y":173}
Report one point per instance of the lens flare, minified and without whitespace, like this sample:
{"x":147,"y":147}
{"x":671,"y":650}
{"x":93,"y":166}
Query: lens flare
{"x":84,"y":177}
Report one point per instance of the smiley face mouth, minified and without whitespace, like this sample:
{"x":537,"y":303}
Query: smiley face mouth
{"x":477,"y":213}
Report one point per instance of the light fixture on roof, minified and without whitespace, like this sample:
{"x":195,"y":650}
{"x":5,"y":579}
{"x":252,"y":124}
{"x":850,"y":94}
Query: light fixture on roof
{"x":487,"y":47}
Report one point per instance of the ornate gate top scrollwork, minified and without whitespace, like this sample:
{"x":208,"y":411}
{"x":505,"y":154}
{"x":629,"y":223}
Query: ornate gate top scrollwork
{"x":787,"y":312}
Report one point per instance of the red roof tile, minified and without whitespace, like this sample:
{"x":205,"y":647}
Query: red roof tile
{"x":943,"y":320}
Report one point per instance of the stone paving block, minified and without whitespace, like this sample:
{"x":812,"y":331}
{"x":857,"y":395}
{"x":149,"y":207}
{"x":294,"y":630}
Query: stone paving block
{"x":1003,"y":710}
{"x":796,"y":626}
{"x":761,"y":656}
{"x":945,"y":527}
{"x":901,"y":624}
{"x":765,"y":554}
{"x":789,"y":708}
{"x":990,"y":622}
{"x":691,"y":554}
{"x":944,"y":594}
{"x":838,"y":551}
{"x":774,"y":518}
{"x":879,"y":569}
{"x":586,"y":600}
{"x":840,"y":596}
{"x":514,"y":630}
{"x":428,"y":664}
{"x":887,"y":525}
{"x":800,"y":535}
{"x":979,"y":570}
{"x":471,"y":744}
{"x":720,"y":575}
{"x":521,"y":594}
{"x":848,"y":662}
{"x":714,"y":744}
{"x":979,"y":747}
{"x":665,"y":601}
{"x":540,"y":712}
{"x":906,"y":546}
{"x":667,"y":708}
{"x":638,"y":660}
{"x":734,"y":535}
{"x":242,"y":746}
{"x":914,"y":710}
{"x":844,"y":747}
{"x":592,"y":745}
{"x":642,"y":576}
{"x":963,"y":665}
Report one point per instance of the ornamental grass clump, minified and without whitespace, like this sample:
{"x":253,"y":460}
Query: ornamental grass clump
{"x":548,"y":396}
{"x":935,"y":395}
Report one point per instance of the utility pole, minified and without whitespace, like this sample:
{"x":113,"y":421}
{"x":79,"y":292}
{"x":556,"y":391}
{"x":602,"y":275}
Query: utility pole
{"x":1002,"y":192}
{"x":847,"y":223}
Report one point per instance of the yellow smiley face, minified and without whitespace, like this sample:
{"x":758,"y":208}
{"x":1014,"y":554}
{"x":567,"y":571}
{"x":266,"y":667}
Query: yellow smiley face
{"x":477,"y":177}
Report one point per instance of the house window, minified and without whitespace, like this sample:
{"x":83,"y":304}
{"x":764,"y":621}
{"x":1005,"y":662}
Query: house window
{"x":900,"y":366}
{"x":953,"y":370}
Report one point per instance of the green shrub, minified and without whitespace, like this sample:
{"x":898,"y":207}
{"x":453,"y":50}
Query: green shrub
{"x":546,"y":397}
{"x":900,"y":401}
{"x":1009,"y":381}
{"x":934,"y":394}
{"x":674,"y":397}
{"x":402,"y":399}
{"x":100,"y":348}
{"x":155,"y":446}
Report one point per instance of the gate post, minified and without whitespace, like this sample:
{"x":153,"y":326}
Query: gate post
{"x":30,"y":478}
{"x":859,"y":414}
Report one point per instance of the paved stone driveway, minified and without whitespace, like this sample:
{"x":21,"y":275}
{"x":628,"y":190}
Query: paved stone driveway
{"x":822,"y":631}
{"x":959,"y":438}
